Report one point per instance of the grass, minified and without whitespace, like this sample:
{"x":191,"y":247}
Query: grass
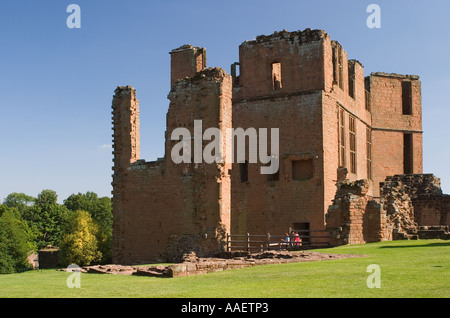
{"x":409,"y":269}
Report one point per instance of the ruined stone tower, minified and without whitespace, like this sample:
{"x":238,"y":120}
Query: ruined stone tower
{"x":162,"y":209}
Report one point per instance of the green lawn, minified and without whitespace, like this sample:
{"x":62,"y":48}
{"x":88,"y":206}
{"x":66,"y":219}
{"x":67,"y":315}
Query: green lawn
{"x":408,"y":269}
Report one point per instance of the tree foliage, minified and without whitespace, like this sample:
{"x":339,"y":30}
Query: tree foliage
{"x":46,"y":217}
{"x":20,"y":201}
{"x":16,"y":241}
{"x":81,"y":227}
{"x":79,"y":243}
{"x":100,"y":210}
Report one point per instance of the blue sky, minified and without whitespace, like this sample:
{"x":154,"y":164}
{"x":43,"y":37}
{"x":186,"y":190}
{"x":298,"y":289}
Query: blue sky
{"x":56,"y":83}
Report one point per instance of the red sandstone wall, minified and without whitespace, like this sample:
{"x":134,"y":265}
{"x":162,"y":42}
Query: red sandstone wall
{"x":432,"y":210}
{"x":389,"y":125}
{"x":301,"y":58}
{"x":260,"y":205}
{"x":162,"y":208}
{"x":186,"y":61}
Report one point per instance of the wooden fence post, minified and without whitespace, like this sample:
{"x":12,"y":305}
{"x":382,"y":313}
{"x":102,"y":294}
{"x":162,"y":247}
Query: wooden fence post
{"x":248,"y":242}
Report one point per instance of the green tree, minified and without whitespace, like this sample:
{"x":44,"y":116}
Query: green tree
{"x":45,"y":217}
{"x":21,"y":201}
{"x":16,"y":241}
{"x":101,"y":212}
{"x":79,"y":240}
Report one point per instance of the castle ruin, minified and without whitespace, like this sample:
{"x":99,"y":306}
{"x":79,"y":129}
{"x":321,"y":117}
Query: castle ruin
{"x":336,"y":127}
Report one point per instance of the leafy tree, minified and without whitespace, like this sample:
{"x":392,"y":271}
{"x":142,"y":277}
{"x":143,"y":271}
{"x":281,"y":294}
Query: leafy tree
{"x":79,"y":242}
{"x":101,"y":212}
{"x":99,"y":208}
{"x":16,"y":241}
{"x":46,"y":217}
{"x":21,"y":201}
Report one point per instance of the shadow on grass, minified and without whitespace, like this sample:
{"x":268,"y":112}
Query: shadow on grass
{"x":434,"y":244}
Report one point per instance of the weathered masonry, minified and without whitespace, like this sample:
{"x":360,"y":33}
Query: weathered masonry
{"x":335,"y":125}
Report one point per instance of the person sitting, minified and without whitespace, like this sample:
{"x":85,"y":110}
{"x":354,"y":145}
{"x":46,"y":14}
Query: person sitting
{"x":287,"y":239}
{"x":297,"y":239}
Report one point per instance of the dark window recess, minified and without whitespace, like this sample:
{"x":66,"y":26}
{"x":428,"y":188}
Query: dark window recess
{"x":352,"y":135}
{"x":368,"y":100}
{"x":407,"y":154}
{"x":337,"y":65}
{"x":235,"y":72}
{"x":407,"y":97}
{"x":243,"y":171}
{"x":341,"y":136}
{"x":369,"y":152}
{"x":351,"y":79}
{"x":302,"y":169}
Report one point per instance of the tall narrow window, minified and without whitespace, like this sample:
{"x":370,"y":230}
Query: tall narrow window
{"x":407,"y":154}
{"x":407,"y":97}
{"x":276,"y":75}
{"x":352,"y":135}
{"x":367,"y":100}
{"x":341,"y":137}
{"x":341,"y":71}
{"x":351,"y":79}
{"x":369,"y":152}
{"x":243,"y":171}
{"x":337,"y":65}
{"x":235,"y":73}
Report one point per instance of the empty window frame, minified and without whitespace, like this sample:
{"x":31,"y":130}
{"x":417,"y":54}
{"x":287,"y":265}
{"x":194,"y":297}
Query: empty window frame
{"x":276,"y":76}
{"x":351,"y":79}
{"x":235,"y":72}
{"x":337,"y":65}
{"x":341,"y":137}
{"x":407,"y":153}
{"x":367,"y":100}
{"x":407,"y":97}
{"x":302,"y":169}
{"x":352,"y":139}
{"x":369,"y":152}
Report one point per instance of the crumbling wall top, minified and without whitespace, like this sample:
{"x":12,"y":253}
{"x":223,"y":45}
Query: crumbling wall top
{"x":305,"y":36}
{"x":394,"y":75}
{"x":124,"y":90}
{"x":186,"y":47}
{"x":216,"y":73}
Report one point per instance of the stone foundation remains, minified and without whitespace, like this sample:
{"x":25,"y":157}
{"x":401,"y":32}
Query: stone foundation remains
{"x":193,"y":265}
{"x":409,"y":207}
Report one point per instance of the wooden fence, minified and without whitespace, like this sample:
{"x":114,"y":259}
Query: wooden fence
{"x":252,"y":243}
